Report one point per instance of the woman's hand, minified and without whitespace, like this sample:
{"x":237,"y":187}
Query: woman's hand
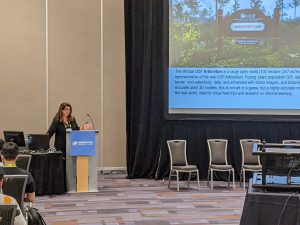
{"x":86,"y":126}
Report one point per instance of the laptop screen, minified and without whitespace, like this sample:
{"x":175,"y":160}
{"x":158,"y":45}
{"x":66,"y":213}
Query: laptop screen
{"x":38,"y":141}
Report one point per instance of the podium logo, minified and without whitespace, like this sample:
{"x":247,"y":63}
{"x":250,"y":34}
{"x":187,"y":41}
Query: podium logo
{"x":82,"y":143}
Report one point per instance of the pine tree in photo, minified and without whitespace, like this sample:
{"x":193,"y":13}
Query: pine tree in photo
{"x":280,"y":5}
{"x":194,"y":7}
{"x":256,"y":4}
{"x":222,"y":3}
{"x":294,"y":4}
{"x":236,"y":5}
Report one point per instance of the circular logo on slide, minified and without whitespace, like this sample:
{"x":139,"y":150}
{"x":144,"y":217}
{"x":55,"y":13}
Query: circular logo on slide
{"x":243,"y":16}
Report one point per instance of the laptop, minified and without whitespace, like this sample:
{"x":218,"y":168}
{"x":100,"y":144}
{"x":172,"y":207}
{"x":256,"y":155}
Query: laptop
{"x":38,"y":141}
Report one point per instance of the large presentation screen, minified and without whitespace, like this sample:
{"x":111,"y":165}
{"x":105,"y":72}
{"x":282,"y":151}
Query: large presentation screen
{"x":234,"y":57}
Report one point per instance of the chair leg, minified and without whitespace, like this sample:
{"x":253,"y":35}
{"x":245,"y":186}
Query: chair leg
{"x":241,"y":175}
{"x":228,"y":180}
{"x":198,"y":180}
{"x":177,"y":175}
{"x":189,"y":179}
{"x":208,"y":173}
{"x":244,"y":178}
{"x":233,"y":179}
{"x":169,"y":180}
{"x":212,"y":179}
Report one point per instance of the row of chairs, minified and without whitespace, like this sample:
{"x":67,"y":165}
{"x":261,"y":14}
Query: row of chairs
{"x":217,"y":160}
{"x":14,"y":186}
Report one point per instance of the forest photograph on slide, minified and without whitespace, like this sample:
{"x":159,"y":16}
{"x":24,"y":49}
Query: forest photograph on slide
{"x":234,"y":33}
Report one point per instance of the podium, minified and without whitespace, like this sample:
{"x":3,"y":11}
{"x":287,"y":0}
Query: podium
{"x":82,"y":161}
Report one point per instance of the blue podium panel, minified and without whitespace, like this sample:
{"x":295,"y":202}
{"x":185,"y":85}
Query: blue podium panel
{"x":83,"y":143}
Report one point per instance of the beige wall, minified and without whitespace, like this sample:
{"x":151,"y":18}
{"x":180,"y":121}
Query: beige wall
{"x":74,"y":57}
{"x":74,"y":67}
{"x":22,"y":65}
{"x":114,"y":109}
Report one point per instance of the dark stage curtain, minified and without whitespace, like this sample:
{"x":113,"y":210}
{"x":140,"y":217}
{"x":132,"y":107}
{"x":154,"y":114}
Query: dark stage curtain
{"x":144,"y":84}
{"x":147,"y":130}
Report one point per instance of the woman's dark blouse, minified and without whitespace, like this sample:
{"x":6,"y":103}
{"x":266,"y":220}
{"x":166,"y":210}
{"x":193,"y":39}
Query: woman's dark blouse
{"x":58,"y":127}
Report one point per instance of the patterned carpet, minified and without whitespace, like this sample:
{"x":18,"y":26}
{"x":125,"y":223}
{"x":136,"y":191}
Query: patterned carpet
{"x":144,"y":202}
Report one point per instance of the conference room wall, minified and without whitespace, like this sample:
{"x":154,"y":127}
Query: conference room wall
{"x":114,"y":108}
{"x":78,"y":70}
{"x":23,"y":65}
{"x":74,"y":57}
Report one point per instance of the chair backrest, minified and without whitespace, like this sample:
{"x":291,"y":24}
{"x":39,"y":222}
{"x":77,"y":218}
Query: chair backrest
{"x":217,"y":151}
{"x":177,"y":151}
{"x":7,"y":214}
{"x":291,"y":142}
{"x":23,"y":162}
{"x":14,"y":186}
{"x":246,"y":147}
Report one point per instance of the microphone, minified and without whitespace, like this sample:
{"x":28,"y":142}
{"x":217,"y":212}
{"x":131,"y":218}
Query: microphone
{"x":88,"y":115}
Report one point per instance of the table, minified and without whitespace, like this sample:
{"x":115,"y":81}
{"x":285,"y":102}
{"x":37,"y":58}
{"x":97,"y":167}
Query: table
{"x":264,"y":208}
{"x":47,"y":170}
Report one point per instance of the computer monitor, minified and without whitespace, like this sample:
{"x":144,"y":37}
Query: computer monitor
{"x":38,"y":141}
{"x":15,"y":136}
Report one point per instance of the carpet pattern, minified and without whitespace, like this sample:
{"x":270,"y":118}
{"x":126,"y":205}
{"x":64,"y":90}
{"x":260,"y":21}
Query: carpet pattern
{"x":122,"y":201}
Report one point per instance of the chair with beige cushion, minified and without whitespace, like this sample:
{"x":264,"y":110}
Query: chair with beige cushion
{"x":178,"y":162}
{"x":250,"y":162}
{"x":218,"y":160}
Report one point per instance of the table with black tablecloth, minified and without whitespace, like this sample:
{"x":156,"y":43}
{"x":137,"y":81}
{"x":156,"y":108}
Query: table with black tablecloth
{"x":47,"y":170}
{"x":264,"y":208}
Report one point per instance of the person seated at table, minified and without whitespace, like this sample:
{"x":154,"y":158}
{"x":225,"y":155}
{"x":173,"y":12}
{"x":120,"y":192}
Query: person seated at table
{"x":8,"y":200}
{"x":9,"y":156}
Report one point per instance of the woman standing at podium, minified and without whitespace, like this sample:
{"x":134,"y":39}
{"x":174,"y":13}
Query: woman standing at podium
{"x":62,"y":122}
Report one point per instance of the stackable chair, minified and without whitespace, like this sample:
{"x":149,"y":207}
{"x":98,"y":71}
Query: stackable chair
{"x":178,"y":162}
{"x":7,"y":214}
{"x":218,"y":160}
{"x":249,"y":162}
{"x":14,"y":186}
{"x":24,"y":161}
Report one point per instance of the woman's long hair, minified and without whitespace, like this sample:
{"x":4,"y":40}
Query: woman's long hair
{"x":59,"y":114}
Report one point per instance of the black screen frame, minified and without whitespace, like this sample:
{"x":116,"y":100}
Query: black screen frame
{"x":207,"y":117}
{"x":19,"y":140}
{"x":38,"y":141}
